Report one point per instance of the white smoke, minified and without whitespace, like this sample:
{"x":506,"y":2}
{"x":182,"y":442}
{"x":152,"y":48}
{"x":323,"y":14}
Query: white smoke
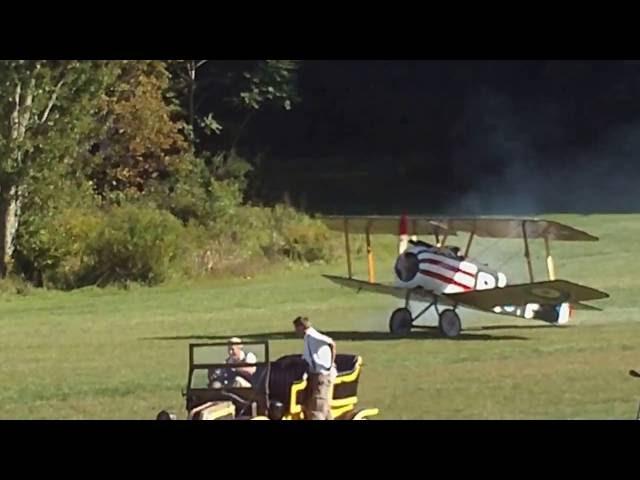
{"x":522,"y":179}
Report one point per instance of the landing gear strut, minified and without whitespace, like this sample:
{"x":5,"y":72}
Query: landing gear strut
{"x":401,"y":320}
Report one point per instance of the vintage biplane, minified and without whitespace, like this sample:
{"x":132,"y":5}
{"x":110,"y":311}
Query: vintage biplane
{"x":445,"y":278}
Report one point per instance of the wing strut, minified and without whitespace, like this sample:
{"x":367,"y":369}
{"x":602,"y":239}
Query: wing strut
{"x":550,"y":266}
{"x":443,"y":241}
{"x":370,"y":264}
{"x":466,"y":250}
{"x":527,"y":253}
{"x":347,"y":247}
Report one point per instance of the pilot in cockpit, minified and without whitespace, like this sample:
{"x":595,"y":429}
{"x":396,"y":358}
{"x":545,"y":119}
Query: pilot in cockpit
{"x":452,"y":251}
{"x":420,"y":243}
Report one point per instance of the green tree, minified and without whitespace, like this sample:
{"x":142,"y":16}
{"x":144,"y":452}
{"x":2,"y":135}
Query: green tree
{"x":47,"y":114}
{"x":208,"y":89}
{"x":143,"y":141}
{"x":144,"y":153}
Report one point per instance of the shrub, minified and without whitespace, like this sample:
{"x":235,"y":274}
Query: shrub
{"x":78,"y":246}
{"x":193,"y":196}
{"x":67,"y":240}
{"x":14,"y":285}
{"x":57,"y":216}
{"x":298,"y":237}
{"x":133,"y":244}
{"x":243,"y":242}
{"x":230,"y":245}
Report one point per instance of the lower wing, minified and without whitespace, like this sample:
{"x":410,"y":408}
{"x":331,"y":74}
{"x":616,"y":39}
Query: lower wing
{"x":553,"y":292}
{"x":399,"y":292}
{"x":585,"y":306}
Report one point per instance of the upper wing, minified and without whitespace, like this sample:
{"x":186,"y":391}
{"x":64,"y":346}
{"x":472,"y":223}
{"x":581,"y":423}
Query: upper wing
{"x":551,"y":292}
{"x":499,"y":227}
{"x":487,"y":227}
{"x":398,"y":292}
{"x":384,"y":224}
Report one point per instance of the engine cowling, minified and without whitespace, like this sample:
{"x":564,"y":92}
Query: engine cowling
{"x":407,"y":266}
{"x":443,"y":270}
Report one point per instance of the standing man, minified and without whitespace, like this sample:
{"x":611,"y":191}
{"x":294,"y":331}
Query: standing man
{"x":320,"y":355}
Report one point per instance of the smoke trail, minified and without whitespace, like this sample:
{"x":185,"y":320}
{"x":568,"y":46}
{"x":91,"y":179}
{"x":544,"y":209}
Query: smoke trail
{"x":522,"y":179}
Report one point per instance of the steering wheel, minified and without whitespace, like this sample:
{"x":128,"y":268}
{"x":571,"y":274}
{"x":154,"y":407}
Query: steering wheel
{"x":223,"y":376}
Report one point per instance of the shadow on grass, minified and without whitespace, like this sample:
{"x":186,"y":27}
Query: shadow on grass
{"x":350,"y":336}
{"x":515,"y":327}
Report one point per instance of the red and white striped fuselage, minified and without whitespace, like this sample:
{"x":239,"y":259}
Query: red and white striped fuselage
{"x":443,"y":271}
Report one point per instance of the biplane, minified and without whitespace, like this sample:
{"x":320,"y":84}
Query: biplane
{"x":446,"y":278}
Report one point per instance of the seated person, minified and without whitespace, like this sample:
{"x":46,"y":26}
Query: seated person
{"x":420,"y":243}
{"x":238,"y":355}
{"x":456,"y":252}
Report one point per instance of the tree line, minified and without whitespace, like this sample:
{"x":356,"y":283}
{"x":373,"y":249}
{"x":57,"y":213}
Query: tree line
{"x":109,"y":170}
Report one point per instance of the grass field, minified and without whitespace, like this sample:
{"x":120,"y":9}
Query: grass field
{"x":123,"y":354}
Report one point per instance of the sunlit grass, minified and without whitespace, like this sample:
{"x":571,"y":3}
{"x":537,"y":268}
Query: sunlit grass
{"x":123,"y":354}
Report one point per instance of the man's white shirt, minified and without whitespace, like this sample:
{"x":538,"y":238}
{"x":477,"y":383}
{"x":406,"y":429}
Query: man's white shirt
{"x":317,"y":351}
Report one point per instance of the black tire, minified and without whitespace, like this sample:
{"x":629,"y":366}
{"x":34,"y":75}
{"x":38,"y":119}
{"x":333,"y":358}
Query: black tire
{"x":400,"y":321}
{"x":164,"y":415}
{"x":449,"y":323}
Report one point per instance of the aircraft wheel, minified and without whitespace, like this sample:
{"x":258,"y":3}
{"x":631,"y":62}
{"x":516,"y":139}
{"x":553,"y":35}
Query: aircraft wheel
{"x":449,"y":323}
{"x":400,"y":321}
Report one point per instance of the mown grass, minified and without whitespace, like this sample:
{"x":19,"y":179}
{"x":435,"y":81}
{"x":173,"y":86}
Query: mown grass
{"x":113,"y":353}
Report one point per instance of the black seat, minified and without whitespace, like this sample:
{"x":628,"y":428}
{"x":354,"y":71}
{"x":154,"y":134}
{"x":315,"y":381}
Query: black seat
{"x":290,"y":369}
{"x":284,"y":373}
{"x":346,"y":364}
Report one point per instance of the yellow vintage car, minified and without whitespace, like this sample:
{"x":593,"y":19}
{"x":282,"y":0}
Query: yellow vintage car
{"x":220,"y":387}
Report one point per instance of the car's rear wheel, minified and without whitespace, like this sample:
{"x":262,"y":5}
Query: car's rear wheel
{"x":400,"y":321}
{"x":449,"y":323}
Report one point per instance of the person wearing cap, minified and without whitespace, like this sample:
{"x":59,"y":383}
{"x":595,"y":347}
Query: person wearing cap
{"x":238,"y":355}
{"x":320,"y":355}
